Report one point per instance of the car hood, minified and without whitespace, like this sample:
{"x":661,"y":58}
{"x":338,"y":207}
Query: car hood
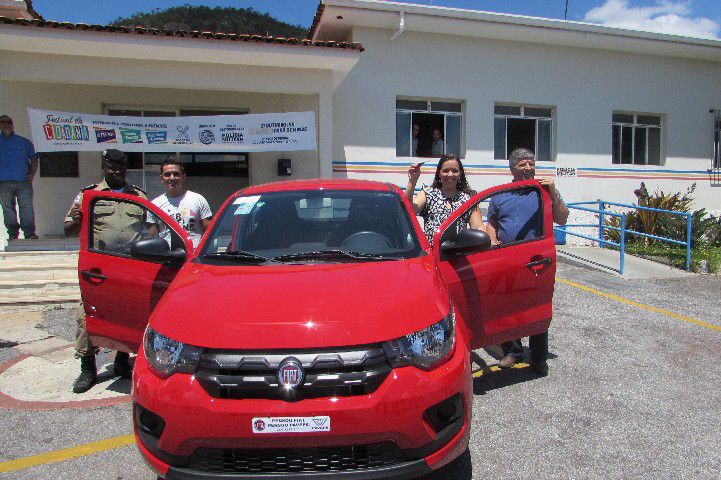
{"x":301,"y":306}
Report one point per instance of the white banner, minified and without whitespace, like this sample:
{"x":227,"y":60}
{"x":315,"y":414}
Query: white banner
{"x":280,"y":132}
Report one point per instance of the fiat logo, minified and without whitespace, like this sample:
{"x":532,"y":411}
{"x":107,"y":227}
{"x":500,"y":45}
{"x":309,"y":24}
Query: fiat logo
{"x":290,"y":373}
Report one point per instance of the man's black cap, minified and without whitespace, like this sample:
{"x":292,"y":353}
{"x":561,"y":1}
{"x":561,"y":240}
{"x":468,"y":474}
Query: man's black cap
{"x":115,"y":156}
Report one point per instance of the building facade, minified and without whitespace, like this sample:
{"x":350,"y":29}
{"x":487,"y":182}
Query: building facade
{"x":608,"y":108}
{"x":603,"y":108}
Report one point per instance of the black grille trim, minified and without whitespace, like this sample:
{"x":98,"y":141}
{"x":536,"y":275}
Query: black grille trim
{"x":297,"y":460}
{"x":228,"y":374}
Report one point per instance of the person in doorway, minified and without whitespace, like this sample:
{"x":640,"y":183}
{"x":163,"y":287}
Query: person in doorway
{"x":189,"y":209}
{"x":448,"y":191}
{"x":112,"y":231}
{"x":18,"y":164}
{"x":439,"y":147}
{"x":509,"y":215}
{"x":414,"y":139}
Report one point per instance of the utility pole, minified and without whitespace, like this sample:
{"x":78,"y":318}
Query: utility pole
{"x":565,"y":14}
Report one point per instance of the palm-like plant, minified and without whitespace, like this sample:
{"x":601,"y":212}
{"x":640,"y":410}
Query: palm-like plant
{"x":654,"y":223}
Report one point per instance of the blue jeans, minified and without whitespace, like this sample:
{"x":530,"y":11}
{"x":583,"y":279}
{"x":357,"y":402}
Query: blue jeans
{"x":20,"y":193}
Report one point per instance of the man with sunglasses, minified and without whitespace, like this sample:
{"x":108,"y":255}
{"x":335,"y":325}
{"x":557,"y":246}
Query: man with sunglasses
{"x":18,"y":164}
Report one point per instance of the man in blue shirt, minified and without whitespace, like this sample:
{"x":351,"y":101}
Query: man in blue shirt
{"x":18,"y":164}
{"x":515,"y":216}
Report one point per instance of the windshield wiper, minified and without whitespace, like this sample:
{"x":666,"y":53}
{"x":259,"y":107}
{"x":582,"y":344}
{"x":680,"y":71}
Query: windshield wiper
{"x":331,"y":255}
{"x":240,"y":255}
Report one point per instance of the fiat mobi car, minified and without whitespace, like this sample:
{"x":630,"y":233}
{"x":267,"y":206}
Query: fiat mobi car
{"x":314,"y":332}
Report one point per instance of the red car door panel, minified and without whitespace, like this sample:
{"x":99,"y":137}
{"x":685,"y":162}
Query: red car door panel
{"x":119,"y":292}
{"x":503,"y":293}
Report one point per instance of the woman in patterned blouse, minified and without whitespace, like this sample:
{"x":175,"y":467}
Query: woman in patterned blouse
{"x":448,"y":191}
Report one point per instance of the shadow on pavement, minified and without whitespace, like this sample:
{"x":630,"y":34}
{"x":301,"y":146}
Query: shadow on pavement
{"x":120,"y":385}
{"x":494,"y":378}
{"x":117,"y":384}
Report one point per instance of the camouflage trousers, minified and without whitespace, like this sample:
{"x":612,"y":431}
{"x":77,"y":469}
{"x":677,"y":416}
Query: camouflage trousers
{"x":83,"y":346}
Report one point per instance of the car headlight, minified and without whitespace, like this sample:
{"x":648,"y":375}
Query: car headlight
{"x":425,"y":349}
{"x":167,"y":356}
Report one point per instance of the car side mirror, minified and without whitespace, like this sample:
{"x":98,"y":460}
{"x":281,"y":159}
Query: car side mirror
{"x":156,"y":249}
{"x":465,"y":242}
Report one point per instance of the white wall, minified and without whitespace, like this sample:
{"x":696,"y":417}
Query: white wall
{"x":585,"y":86}
{"x":54,"y":195}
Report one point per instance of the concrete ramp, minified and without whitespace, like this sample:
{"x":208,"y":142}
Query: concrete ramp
{"x":607,"y":261}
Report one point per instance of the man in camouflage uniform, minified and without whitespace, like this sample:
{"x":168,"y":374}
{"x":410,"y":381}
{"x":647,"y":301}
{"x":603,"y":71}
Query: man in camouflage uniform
{"x":115,"y":226}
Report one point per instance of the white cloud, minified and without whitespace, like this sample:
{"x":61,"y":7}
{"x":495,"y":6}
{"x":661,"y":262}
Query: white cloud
{"x":666,"y":16}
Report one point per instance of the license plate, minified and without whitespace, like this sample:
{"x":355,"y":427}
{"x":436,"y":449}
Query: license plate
{"x":290,"y":424}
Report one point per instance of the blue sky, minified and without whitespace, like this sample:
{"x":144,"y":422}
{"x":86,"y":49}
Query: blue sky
{"x":701,"y":18}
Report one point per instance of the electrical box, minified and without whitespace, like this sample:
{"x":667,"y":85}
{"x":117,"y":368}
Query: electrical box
{"x":284,"y":169}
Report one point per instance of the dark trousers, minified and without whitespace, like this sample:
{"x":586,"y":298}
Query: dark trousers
{"x":18,"y":194}
{"x":538,"y":344}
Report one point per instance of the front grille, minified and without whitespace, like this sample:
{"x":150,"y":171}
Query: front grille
{"x":296,"y":460}
{"x":229,"y":374}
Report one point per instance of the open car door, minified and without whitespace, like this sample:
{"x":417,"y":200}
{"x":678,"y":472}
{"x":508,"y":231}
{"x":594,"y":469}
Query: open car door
{"x":503,"y":292}
{"x":130,"y":252}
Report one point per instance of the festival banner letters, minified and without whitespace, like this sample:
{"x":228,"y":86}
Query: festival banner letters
{"x":280,"y":132}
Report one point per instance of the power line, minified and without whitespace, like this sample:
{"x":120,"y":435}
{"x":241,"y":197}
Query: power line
{"x":565,"y":14}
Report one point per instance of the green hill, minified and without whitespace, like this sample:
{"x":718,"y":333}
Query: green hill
{"x":218,"y":19}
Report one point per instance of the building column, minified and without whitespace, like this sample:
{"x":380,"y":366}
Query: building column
{"x":325,"y":134}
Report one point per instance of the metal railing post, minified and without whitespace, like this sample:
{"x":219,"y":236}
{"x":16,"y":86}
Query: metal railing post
{"x":601,"y":206}
{"x":689,"y":221}
{"x":622,"y":244}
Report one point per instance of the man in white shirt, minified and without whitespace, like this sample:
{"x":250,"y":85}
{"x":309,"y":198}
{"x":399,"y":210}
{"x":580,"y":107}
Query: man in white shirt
{"x":438,"y":147}
{"x":189,"y":209}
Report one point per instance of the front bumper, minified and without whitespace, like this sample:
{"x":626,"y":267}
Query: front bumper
{"x":394,"y":414}
{"x":404,"y":471}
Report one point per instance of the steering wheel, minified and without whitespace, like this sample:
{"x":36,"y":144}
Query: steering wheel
{"x":366,"y":239}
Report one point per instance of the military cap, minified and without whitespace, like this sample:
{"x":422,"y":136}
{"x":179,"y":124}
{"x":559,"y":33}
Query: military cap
{"x":115,"y":156}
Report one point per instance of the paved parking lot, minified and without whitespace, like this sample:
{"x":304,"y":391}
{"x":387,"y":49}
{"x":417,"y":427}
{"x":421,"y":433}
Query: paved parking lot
{"x":633,"y":391}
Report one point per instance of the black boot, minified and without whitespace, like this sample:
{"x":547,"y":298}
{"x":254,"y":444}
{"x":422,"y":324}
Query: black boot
{"x":121,"y":367}
{"x":88,"y":371}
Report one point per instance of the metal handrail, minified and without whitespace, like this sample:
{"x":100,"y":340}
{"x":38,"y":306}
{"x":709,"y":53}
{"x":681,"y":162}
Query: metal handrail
{"x":602,"y":212}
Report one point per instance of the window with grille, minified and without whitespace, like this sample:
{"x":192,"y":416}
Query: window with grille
{"x":636,"y":139}
{"x":211,"y":164}
{"x":429,"y":128}
{"x":522,"y":127}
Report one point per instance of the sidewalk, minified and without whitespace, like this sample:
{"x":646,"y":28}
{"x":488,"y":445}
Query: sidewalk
{"x":607,"y":260}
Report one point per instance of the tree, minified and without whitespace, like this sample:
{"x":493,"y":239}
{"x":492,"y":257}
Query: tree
{"x":218,"y":19}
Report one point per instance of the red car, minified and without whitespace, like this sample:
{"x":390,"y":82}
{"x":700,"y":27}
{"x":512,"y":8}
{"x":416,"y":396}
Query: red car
{"x":314,"y":333}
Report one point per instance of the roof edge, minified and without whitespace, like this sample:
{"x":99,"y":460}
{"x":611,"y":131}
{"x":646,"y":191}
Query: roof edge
{"x":32,"y":11}
{"x":521,"y":20}
{"x":38,"y":23}
{"x":316,"y":20}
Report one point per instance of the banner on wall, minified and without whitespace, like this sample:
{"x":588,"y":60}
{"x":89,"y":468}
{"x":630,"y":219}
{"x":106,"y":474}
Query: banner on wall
{"x":566,"y":172}
{"x":278,"y":132}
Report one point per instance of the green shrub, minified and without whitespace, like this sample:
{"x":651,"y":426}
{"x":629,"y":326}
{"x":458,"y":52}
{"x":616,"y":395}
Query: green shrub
{"x":702,"y":225}
{"x":712,"y":235}
{"x":655,"y":223}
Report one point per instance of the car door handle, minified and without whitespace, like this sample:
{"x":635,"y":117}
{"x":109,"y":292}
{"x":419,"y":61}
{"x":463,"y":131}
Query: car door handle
{"x":93,"y":276}
{"x":537,"y":265}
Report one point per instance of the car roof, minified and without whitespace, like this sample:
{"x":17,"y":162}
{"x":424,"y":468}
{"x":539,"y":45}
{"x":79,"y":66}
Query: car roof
{"x":317,"y":184}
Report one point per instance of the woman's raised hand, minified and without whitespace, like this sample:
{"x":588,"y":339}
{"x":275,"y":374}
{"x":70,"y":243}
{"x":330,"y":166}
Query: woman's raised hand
{"x":414,"y":172}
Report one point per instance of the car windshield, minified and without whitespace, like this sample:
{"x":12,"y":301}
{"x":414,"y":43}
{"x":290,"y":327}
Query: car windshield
{"x":313,"y":226}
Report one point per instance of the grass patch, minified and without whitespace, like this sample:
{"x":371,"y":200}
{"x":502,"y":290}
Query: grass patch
{"x":676,"y":256}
